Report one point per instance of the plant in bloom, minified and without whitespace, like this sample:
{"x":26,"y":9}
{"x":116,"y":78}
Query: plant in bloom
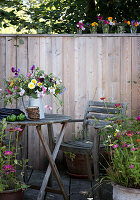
{"x":80,"y":25}
{"x":9,"y":163}
{"x":124,"y":147}
{"x":36,"y":83}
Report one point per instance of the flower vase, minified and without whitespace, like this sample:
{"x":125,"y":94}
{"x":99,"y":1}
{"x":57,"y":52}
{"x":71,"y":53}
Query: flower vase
{"x":93,"y":29}
{"x":79,"y":31}
{"x":105,"y":28}
{"x":124,"y":193}
{"x":39,"y":103}
{"x":133,"y":29}
{"x":120,"y":29}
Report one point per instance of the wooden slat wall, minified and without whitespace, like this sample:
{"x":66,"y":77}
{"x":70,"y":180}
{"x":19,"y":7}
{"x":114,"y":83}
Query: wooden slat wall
{"x":90,"y":67}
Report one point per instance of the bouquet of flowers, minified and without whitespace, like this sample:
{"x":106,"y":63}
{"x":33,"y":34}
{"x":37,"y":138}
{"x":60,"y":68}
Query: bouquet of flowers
{"x":9,"y":163}
{"x":36,"y":84}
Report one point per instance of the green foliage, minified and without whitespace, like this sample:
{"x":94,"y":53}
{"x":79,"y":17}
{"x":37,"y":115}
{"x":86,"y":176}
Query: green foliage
{"x":61,"y":16}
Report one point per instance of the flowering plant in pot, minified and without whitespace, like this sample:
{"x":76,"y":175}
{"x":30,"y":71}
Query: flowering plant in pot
{"x":34,"y":84}
{"x":10,"y":179}
{"x":123,"y":142}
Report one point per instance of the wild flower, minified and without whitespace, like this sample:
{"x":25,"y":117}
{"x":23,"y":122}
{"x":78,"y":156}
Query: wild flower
{"x":124,"y":167}
{"x":10,"y":165}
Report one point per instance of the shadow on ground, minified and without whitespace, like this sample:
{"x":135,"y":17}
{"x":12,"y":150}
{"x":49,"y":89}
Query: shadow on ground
{"x":79,"y":190}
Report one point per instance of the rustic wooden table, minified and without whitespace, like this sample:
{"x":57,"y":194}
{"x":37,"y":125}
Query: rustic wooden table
{"x":51,"y":149}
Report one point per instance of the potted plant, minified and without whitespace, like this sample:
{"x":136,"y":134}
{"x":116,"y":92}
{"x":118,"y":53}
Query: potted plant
{"x":34,"y":84}
{"x":11,"y":184}
{"x":123,"y":142}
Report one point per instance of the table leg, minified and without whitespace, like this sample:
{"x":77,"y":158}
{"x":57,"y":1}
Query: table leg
{"x":51,"y":145}
{"x":52,"y":165}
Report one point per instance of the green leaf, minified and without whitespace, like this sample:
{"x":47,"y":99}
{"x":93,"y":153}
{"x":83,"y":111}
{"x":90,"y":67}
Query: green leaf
{"x":21,"y":41}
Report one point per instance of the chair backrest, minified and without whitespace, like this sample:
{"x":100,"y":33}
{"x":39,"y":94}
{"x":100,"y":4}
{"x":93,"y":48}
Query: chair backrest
{"x":99,"y":114}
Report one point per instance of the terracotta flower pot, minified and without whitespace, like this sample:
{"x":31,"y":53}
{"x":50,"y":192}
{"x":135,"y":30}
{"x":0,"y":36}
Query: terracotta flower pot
{"x":78,"y":164}
{"x":12,"y":195}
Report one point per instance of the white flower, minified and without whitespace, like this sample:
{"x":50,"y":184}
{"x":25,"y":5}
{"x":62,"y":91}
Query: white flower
{"x":0,"y":89}
{"x":117,"y":131}
{"x":22,"y":91}
{"x":108,"y":126}
{"x":52,"y":90}
{"x":40,"y":94}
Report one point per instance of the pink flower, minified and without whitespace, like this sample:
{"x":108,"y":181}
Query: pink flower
{"x":48,"y":107}
{"x":22,"y":91}
{"x":131,"y":166}
{"x":102,"y":98}
{"x":118,"y":105}
{"x":115,"y":146}
{"x":8,"y":91}
{"x":124,"y":145}
{"x":16,"y":87}
{"x":133,"y":149}
{"x":138,"y":118}
{"x":130,"y":133}
{"x":138,"y":132}
{"x":18,"y":129}
{"x":8,"y":169}
{"x":8,"y":153}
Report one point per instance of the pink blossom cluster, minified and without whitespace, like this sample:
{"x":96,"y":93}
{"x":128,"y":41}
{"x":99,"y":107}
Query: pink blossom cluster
{"x":9,"y":169}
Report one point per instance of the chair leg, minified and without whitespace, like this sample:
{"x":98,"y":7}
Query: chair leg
{"x":69,"y":187}
{"x":95,"y":154}
{"x":87,"y":158}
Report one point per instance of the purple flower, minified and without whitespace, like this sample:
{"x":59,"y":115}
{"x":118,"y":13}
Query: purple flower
{"x":16,"y":75}
{"x":138,"y":118}
{"x":133,"y":22}
{"x":124,"y":145}
{"x":41,"y":80}
{"x":131,"y":166}
{"x":133,"y":149}
{"x":16,"y":87}
{"x":115,"y":146}
{"x":13,"y":69}
{"x":32,"y":68}
{"x":8,"y":153}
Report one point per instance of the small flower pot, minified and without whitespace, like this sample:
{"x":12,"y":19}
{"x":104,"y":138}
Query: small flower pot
{"x":133,"y":29}
{"x":12,"y":195}
{"x":120,"y":29}
{"x":79,"y":31}
{"x":124,"y":193}
{"x":93,"y":29}
{"x":105,"y":28}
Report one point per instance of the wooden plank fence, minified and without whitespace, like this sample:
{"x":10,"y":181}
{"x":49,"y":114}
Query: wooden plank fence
{"x":91,"y":66}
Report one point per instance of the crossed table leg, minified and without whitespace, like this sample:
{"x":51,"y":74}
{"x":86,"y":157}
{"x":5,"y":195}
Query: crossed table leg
{"x":52,"y":166}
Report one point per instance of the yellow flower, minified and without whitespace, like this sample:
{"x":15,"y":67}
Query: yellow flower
{"x":12,"y":83}
{"x":39,"y":84}
{"x":31,"y":85}
{"x":136,"y":24}
{"x":114,"y":22}
{"x":34,"y":81}
{"x":110,"y":18}
{"x":128,"y":22}
{"x":93,"y":24}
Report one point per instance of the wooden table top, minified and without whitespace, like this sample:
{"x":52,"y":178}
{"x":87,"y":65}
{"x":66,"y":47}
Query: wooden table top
{"x":49,"y":119}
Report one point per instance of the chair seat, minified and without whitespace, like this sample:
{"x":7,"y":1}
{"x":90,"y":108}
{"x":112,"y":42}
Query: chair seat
{"x":78,"y":146}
